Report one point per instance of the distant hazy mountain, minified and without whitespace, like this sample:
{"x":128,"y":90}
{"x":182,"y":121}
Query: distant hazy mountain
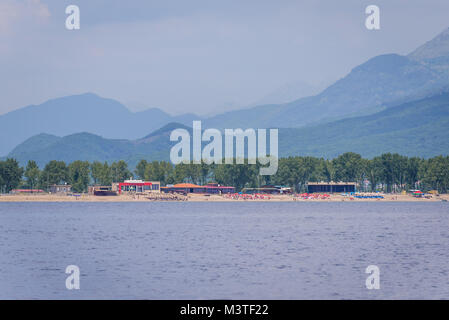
{"x":434,"y":53}
{"x":382,"y":81}
{"x":418,"y":128}
{"x":81,"y":113}
{"x":370,"y":87}
{"x":86,"y":146}
{"x":288,"y":92}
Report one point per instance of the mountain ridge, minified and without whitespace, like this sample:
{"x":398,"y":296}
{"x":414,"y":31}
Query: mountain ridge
{"x":85,"y":112}
{"x":381,"y":81}
{"x":417,"y":128}
{"x":434,"y":48}
{"x":378,"y":84}
{"x":369,"y":87}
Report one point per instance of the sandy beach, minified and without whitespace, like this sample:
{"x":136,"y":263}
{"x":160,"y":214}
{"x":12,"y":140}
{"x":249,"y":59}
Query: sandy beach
{"x":202,"y":198}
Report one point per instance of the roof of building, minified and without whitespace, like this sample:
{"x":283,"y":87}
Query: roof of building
{"x":144,"y":183}
{"x":218,"y":187}
{"x":330,"y":183}
{"x":186,"y":185}
{"x":195,"y":186}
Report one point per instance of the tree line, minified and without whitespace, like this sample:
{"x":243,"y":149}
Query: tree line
{"x":79,"y":174}
{"x":387,"y":172}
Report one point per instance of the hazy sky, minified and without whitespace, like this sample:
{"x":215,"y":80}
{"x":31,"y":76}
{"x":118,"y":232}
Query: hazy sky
{"x":200,"y":56}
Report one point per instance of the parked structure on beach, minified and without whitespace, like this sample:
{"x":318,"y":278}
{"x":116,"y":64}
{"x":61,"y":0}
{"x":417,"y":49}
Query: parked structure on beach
{"x":136,"y":186}
{"x":26,"y":191}
{"x":60,"y":188}
{"x":331,"y":187}
{"x":101,"y":191}
{"x":268,"y":189}
{"x":210,"y":188}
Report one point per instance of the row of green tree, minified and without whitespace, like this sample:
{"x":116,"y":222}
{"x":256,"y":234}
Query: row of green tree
{"x":387,"y":172}
{"x":79,"y":174}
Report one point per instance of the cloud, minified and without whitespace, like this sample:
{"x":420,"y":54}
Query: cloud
{"x":196,"y":55}
{"x":15,"y":13}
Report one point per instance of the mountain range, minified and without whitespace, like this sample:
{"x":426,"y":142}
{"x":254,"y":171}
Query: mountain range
{"x":90,"y":147}
{"x":81,"y":113}
{"x":389,"y":103}
{"x":382,"y":81}
{"x":418,"y":128}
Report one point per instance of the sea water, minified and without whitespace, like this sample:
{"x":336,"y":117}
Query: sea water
{"x":229,"y":250}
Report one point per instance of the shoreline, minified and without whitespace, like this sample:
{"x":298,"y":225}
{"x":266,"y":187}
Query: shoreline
{"x":210,"y":198}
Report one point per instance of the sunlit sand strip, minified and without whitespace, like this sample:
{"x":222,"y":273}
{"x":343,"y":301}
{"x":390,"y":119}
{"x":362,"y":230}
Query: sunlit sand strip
{"x":207,"y":198}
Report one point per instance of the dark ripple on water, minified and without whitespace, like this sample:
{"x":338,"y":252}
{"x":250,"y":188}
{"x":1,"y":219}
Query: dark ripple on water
{"x":224,"y":250}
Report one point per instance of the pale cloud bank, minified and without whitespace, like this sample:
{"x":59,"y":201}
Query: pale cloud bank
{"x":196,"y":56}
{"x":13,"y":13}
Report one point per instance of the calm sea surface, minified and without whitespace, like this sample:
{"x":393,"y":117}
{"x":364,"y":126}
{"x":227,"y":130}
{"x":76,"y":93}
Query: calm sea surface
{"x":230,"y":250}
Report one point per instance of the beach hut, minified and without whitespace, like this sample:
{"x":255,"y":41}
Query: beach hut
{"x":418,"y":193}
